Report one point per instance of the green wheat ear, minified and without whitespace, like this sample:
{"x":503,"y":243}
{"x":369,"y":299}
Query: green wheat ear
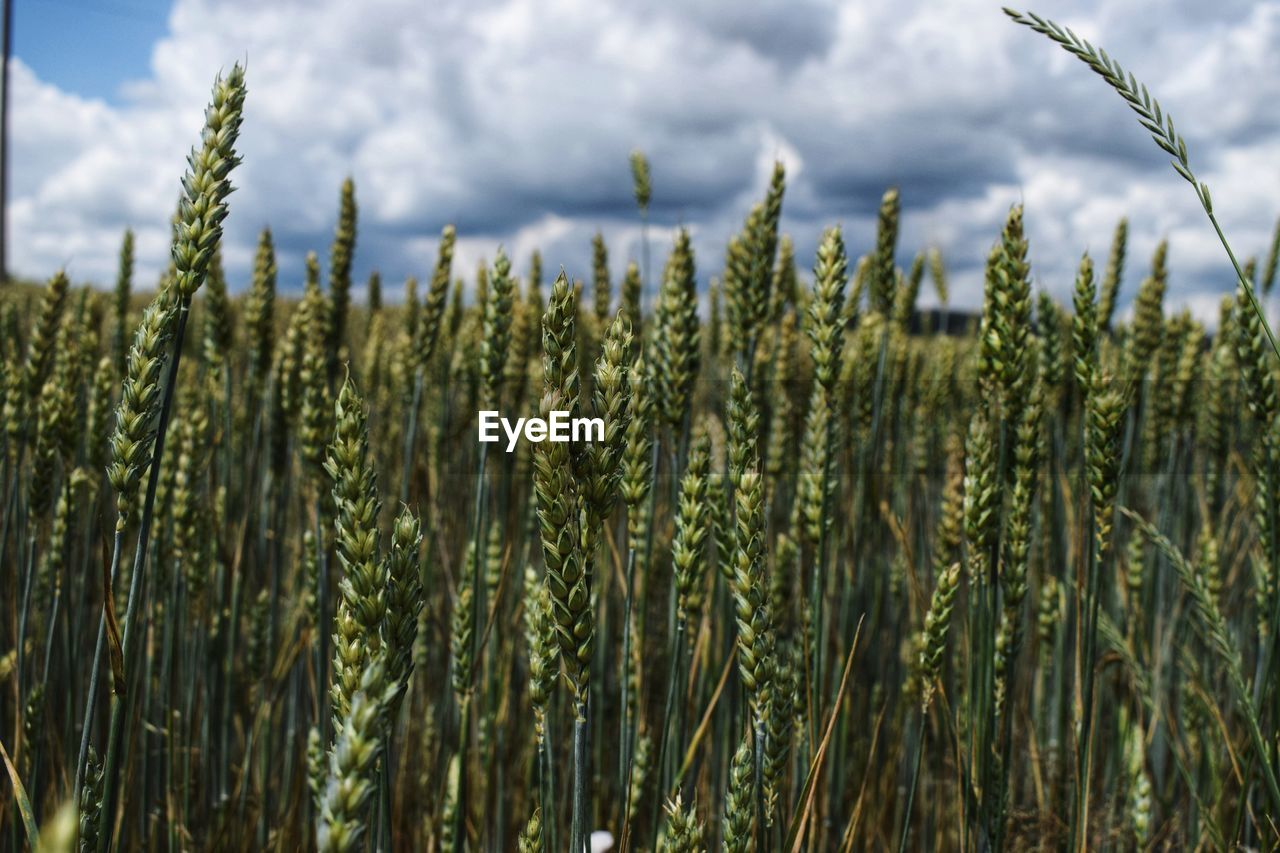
{"x":685,"y":833}
{"x":132,"y":440}
{"x":1217,"y":637}
{"x":641,"y":184}
{"x":206,"y":185}
{"x":531,"y":836}
{"x":123,"y":294}
{"x":260,"y":309}
{"x":1154,"y":120}
{"x":90,"y":802}
{"x":363,"y":589}
{"x":933,"y":638}
{"x":738,"y":809}
{"x":340,"y":257}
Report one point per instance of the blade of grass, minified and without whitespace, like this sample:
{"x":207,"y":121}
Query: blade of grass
{"x":20,"y":797}
{"x":795,"y":835}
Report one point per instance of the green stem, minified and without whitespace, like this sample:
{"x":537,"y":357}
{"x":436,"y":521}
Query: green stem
{"x":911,"y":786}
{"x":761,"y":832}
{"x":1240,"y":276}
{"x":581,"y":799}
{"x":464,"y":735}
{"x":119,"y":703}
{"x":410,"y":437}
{"x":664,"y":778}
{"x":90,"y":704}
{"x":624,"y":730}
{"x":550,"y":817}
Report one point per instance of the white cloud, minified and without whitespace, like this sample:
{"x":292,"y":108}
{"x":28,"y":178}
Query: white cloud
{"x":514,"y":118}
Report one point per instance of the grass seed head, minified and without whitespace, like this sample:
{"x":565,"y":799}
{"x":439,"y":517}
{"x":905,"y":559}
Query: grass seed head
{"x":1084,"y":326}
{"x":640,"y":181}
{"x":341,"y":254}
{"x":739,"y":807}
{"x":206,"y":185}
{"x":1113,"y":274}
{"x":601,"y":286}
{"x":676,"y":342}
{"x":688,"y":548}
{"x":132,"y":439}
{"x":881,"y":271}
{"x":260,"y":310}
{"x":495,"y":340}
{"x":363,"y":589}
{"x":685,"y":833}
{"x":122,"y":298}
{"x":937,"y":621}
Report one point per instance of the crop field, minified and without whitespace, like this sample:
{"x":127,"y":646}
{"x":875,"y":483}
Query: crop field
{"x":779,"y":564}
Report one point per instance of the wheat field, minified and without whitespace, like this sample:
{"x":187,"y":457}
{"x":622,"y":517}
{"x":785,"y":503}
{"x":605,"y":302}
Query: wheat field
{"x":832,"y":573}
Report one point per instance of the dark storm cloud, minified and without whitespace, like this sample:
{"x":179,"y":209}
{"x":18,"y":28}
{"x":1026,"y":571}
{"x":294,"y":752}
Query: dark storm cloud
{"x":787,"y":32}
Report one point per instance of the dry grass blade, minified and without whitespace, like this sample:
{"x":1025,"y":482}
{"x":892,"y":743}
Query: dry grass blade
{"x":21,"y":798}
{"x":114,"y":651}
{"x":795,"y":835}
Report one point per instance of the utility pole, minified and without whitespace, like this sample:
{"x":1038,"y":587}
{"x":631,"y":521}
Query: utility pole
{"x":4,"y":141}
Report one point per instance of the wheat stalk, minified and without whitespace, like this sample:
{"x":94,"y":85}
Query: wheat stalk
{"x":1156,"y":122}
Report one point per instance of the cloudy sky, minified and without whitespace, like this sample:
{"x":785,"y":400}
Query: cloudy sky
{"x":514,"y":118}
